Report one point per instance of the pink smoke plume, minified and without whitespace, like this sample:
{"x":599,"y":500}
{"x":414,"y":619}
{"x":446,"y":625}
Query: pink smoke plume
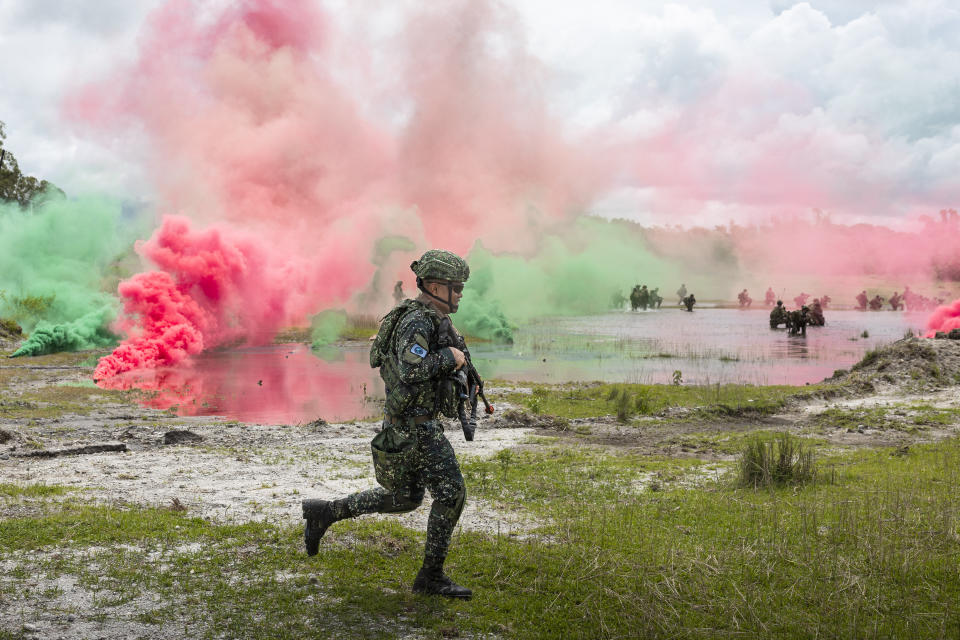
{"x":269,"y":121}
{"x":944,"y":318}
{"x":216,"y":286}
{"x":270,"y":118}
{"x":261,"y":385}
{"x":171,"y":326}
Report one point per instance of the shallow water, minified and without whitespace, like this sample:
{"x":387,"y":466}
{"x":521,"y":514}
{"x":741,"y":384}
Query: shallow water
{"x":291,"y":383}
{"x":706,"y":346}
{"x":274,"y":384}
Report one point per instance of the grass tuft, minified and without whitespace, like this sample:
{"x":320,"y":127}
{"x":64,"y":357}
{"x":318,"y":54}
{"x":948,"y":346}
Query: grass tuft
{"x":775,"y":463}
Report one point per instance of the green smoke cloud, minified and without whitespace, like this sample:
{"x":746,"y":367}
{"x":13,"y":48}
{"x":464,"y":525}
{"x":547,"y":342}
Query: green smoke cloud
{"x":575,"y":272}
{"x":326,"y":326}
{"x":86,"y":332}
{"x":55,"y":270}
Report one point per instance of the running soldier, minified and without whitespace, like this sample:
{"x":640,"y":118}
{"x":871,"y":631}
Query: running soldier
{"x":411,"y":453}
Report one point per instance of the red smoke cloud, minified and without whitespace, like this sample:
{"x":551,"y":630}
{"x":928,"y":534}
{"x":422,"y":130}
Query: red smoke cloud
{"x":276,"y":385}
{"x":216,"y":286}
{"x":273,"y":119}
{"x":266,"y":121}
{"x":300,"y":145}
{"x":944,"y":318}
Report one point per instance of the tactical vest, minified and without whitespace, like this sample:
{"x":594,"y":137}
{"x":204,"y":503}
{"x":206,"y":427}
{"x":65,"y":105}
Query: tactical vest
{"x":400,"y":396}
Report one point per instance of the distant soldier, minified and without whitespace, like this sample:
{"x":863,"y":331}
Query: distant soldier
{"x":778,"y":315}
{"x":862,"y":301}
{"x":644,"y":297}
{"x":744,"y":298}
{"x":798,"y":320}
{"x":682,"y":293}
{"x":635,"y":298}
{"x":816,"y":314}
{"x":877,"y":303}
{"x":825,"y":301}
{"x":655,"y":298}
{"x":769,"y":298}
{"x":909,"y":299}
{"x":801,"y":299}
{"x":895,"y":301}
{"x":617,"y":300}
{"x":689,"y":301}
{"x":398,"y":295}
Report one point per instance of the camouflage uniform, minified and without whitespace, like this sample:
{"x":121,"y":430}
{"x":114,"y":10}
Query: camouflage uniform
{"x":779,"y":315}
{"x":410,"y":452}
{"x":433,"y":464}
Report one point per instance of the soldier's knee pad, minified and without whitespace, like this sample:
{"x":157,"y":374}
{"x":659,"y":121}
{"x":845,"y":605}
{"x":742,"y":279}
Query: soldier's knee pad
{"x":402,"y":501}
{"x":451,"y":509}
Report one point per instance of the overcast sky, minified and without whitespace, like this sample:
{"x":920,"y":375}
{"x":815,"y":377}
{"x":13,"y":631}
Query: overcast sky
{"x":860,"y":97}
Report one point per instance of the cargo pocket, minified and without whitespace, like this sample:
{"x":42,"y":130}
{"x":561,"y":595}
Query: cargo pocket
{"x":393,"y":458}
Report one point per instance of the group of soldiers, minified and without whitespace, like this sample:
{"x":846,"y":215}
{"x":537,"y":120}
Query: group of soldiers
{"x":797,"y":320}
{"x":770,"y":299}
{"x":642,"y":298}
{"x":909,"y":301}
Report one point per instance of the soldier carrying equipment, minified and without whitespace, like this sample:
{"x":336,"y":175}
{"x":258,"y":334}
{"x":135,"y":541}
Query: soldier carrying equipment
{"x":779,"y":315}
{"x":421,"y":366}
{"x":467,"y":381}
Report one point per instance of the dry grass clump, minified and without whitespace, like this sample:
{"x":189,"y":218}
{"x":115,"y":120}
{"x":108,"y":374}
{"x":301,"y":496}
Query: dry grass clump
{"x":10,"y":328}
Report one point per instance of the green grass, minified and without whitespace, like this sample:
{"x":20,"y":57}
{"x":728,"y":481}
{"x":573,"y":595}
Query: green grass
{"x":784,"y":461}
{"x":900,"y":417}
{"x":82,"y":524}
{"x":56,"y":401}
{"x":872,"y":555}
{"x":32,"y":490}
{"x":729,"y":443}
{"x":590,"y":401}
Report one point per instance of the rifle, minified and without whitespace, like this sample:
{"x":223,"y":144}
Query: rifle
{"x":469,"y":382}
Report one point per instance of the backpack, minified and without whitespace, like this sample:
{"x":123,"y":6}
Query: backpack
{"x":380,"y":349}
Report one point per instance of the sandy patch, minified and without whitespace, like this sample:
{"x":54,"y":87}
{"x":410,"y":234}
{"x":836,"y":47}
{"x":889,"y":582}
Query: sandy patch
{"x":240,"y":472}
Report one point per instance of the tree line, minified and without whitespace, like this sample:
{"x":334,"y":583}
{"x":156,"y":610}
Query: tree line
{"x":14,"y":185}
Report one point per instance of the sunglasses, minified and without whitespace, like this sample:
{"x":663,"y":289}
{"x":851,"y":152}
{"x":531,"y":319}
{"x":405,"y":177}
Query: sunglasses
{"x":456,"y":287}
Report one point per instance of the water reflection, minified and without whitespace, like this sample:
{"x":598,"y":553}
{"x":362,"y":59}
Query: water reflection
{"x":285,"y":384}
{"x":796,"y":347}
{"x":707,"y":346}
{"x":282,"y":384}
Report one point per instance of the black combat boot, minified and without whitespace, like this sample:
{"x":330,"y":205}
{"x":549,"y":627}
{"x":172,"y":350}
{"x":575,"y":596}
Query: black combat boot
{"x":319,"y":515}
{"x":433,"y":582}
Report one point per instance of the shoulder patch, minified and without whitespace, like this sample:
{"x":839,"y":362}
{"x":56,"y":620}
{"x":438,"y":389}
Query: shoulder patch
{"x":418,"y":350}
{"x":414,"y":355}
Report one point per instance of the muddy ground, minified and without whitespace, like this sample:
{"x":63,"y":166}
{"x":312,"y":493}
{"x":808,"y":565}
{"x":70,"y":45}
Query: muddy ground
{"x":227,"y":471}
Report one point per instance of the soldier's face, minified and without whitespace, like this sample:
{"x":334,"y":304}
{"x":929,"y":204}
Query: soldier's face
{"x":451,"y":291}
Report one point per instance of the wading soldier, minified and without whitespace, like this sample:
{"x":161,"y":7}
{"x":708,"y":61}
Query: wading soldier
{"x":410,"y":453}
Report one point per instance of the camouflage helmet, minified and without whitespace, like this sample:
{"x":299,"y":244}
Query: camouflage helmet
{"x":437,"y":264}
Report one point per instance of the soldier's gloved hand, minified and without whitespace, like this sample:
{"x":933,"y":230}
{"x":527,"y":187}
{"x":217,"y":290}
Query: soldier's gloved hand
{"x":458,"y":357}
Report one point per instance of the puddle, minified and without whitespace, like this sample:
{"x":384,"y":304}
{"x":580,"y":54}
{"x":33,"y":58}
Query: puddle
{"x":274,"y":384}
